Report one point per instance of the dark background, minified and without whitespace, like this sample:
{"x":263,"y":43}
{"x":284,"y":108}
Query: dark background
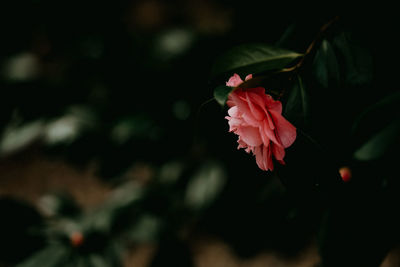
{"x":129,"y":85}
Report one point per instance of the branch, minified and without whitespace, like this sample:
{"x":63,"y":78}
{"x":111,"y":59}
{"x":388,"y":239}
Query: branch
{"x":312,"y":45}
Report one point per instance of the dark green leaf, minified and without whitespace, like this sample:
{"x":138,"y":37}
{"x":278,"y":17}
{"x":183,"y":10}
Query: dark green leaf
{"x":123,"y":201}
{"x":221,"y":93}
{"x":326,"y":68}
{"x":253,"y":58}
{"x":372,"y":121}
{"x":147,"y":229}
{"x":379,"y":143}
{"x":52,"y":256}
{"x":380,"y":109}
{"x":59,"y":204}
{"x":357,"y":59}
{"x":98,"y":261}
{"x":297,"y":108}
{"x":205,"y":186}
{"x":287,"y":35}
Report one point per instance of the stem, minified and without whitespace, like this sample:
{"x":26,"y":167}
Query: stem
{"x":312,"y":45}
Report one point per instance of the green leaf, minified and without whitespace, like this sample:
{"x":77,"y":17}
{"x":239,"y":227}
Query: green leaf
{"x":297,"y":108}
{"x":326,"y":67}
{"x":357,"y":59}
{"x":98,"y":261}
{"x":379,"y":143}
{"x":124,"y":200}
{"x":205,"y":185}
{"x":51,"y":256}
{"x":221,"y":94}
{"x":253,"y":58}
{"x":287,"y":35}
{"x":147,"y":229}
{"x":381,"y":109}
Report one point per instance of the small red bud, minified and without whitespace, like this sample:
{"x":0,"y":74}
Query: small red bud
{"x":76,"y":239}
{"x":345,"y":173}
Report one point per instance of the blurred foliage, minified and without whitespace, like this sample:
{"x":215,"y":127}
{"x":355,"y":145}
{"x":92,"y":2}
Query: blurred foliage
{"x":130,"y":83}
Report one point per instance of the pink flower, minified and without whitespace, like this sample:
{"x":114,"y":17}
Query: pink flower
{"x":256,"y":118}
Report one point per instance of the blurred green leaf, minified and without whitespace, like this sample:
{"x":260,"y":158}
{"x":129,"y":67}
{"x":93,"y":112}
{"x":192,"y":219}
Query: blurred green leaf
{"x":357,"y":59}
{"x":385,"y":107}
{"x":221,"y":94}
{"x":326,"y":67}
{"x":205,"y":185}
{"x":379,"y":143}
{"x":170,"y":172}
{"x":76,"y":120}
{"x":139,"y":126}
{"x":122,"y":201}
{"x":52,"y":256}
{"x":98,"y":261}
{"x":253,"y":58}
{"x":372,"y":130}
{"x":17,"y":137}
{"x":58,"y":204}
{"x":297,"y":107}
{"x":146,"y":229}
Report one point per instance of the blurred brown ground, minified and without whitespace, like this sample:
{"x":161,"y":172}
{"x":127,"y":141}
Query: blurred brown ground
{"x":29,"y":174}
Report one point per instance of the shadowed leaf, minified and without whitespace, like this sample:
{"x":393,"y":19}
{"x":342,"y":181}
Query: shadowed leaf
{"x":326,"y":68}
{"x":221,"y":94}
{"x":297,"y":108}
{"x":253,"y":58}
{"x":357,"y":59}
{"x":379,"y":143}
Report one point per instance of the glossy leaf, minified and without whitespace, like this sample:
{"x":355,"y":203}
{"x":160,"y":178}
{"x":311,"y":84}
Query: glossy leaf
{"x":357,"y":59}
{"x":379,"y":143}
{"x":371,"y":129}
{"x":297,"y":107}
{"x":221,"y":94}
{"x":253,"y":58}
{"x":326,"y":67}
{"x":384,"y":108}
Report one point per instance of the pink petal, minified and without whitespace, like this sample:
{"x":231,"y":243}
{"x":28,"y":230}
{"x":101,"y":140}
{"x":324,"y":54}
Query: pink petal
{"x":243,"y":108}
{"x":285,"y":131}
{"x":258,"y":153}
{"x":250,"y":135}
{"x":270,"y":133}
{"x":256,"y":111}
{"x":278,"y":152}
{"x":248,"y":77}
{"x":233,"y":111}
{"x":234,"y":81}
{"x":242,"y":144}
{"x":272,"y":104}
{"x":269,"y":121}
{"x":264,"y":157}
{"x":234,"y":123}
{"x":267,"y":158}
{"x":230,"y":103}
{"x":263,"y":134}
{"x":258,"y":98}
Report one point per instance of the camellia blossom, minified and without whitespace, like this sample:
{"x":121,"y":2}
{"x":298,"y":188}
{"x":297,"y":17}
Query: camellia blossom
{"x":256,"y":118}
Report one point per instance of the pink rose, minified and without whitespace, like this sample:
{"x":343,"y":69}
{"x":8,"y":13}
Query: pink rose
{"x":256,"y":118}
